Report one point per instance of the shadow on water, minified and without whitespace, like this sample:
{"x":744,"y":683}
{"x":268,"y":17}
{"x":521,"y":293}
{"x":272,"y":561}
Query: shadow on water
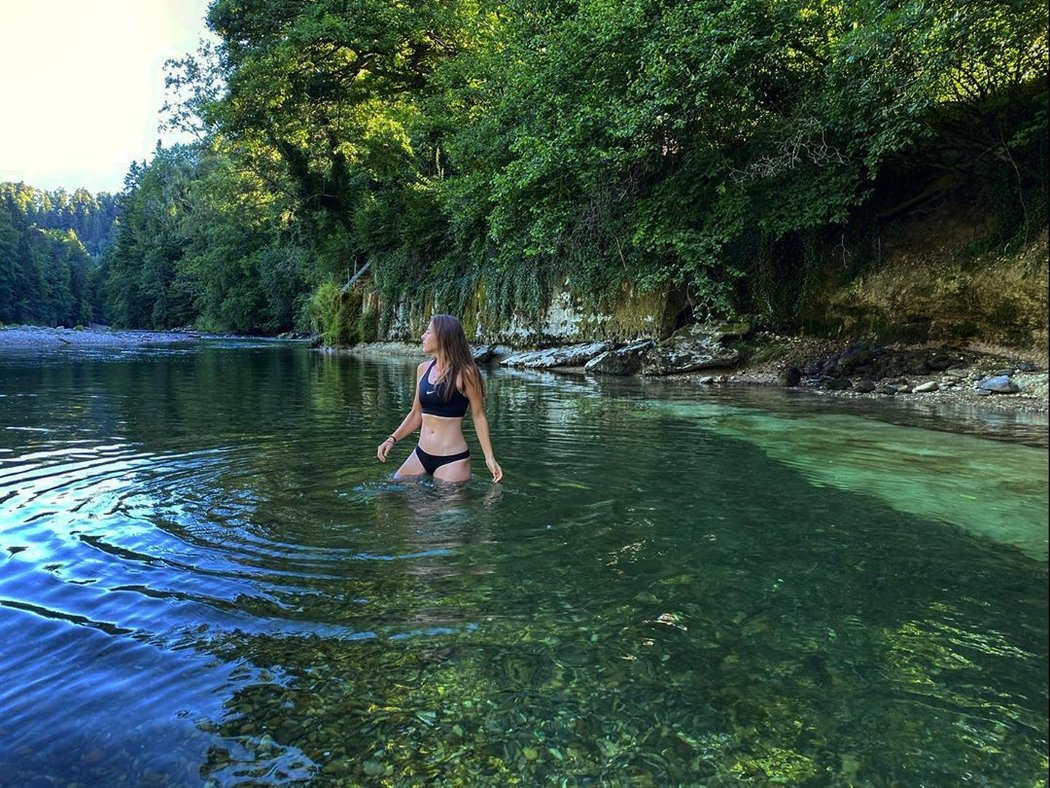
{"x":207,"y":576}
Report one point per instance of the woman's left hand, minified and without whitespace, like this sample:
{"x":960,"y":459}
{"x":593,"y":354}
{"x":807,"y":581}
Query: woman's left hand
{"x":497,"y":472}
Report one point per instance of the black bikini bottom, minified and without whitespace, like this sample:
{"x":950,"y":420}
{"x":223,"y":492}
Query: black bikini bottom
{"x":431,"y":462}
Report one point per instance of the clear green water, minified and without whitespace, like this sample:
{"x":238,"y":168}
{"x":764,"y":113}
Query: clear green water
{"x":206,"y":577}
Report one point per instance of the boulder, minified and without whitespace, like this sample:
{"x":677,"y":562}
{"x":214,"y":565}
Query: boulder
{"x":928,"y":386}
{"x":694,"y":347}
{"x":939,"y":362}
{"x":710,"y":332}
{"x":570,"y":356}
{"x":790,"y":377}
{"x":998,"y":384}
{"x":864,"y":387}
{"x":683,"y":357}
{"x":626,"y":360}
{"x":853,"y":357}
{"x":482,"y":354}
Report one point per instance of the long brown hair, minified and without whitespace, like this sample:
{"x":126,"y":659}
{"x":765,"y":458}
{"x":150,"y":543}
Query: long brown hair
{"x":456,"y":351}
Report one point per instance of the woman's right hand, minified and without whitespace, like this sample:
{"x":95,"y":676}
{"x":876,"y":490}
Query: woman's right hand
{"x":494,"y":469}
{"x":384,"y":449}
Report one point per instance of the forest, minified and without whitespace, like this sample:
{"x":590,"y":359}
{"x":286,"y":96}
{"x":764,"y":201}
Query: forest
{"x":730,"y":155}
{"x":51,"y":244}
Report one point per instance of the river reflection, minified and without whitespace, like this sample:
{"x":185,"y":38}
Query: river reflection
{"x":207,"y":577}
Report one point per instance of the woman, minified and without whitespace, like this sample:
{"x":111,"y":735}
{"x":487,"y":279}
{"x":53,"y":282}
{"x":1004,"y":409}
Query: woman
{"x":444,"y":389}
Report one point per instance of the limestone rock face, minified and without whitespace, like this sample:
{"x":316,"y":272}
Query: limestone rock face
{"x":570,"y":356}
{"x":626,"y":360}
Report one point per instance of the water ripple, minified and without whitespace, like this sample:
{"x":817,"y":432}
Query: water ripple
{"x":204,"y":581}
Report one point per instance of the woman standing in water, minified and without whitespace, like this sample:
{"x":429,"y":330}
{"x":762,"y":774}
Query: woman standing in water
{"x":444,"y":389}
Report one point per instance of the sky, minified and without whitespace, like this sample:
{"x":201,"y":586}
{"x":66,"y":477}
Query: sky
{"x":82,"y":84}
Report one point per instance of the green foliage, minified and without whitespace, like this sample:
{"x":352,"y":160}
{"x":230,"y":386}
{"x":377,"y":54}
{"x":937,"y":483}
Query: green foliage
{"x":714,"y":150}
{"x":46,"y":275}
{"x":201,"y":240}
{"x":339,"y":316}
{"x":91,"y":217}
{"x":141,"y":283}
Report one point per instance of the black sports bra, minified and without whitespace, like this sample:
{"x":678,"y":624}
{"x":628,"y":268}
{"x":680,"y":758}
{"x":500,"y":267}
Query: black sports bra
{"x":432,"y":398}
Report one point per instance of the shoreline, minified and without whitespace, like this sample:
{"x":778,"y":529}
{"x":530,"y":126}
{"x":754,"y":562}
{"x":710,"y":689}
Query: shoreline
{"x":955,"y":386}
{"x":959,"y":389}
{"x":33,"y":337}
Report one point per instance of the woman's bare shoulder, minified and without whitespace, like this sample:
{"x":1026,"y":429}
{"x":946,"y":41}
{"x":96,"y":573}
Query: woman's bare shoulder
{"x":468,"y":378}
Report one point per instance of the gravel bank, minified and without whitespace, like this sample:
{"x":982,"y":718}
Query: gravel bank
{"x":898,"y":370}
{"x":13,"y":337}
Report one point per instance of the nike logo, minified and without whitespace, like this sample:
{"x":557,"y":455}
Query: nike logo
{"x":431,"y":391}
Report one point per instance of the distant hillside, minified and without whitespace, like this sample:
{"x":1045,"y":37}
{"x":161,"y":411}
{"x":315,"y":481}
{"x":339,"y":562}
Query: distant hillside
{"x":52,"y":245}
{"x":92,"y":217}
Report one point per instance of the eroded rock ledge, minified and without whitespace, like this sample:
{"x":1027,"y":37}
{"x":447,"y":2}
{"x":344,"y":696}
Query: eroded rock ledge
{"x":690,"y":349}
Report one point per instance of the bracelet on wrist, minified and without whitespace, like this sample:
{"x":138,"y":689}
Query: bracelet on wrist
{"x":391,"y":438}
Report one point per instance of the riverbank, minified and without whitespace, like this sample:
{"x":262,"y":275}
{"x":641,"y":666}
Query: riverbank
{"x":929,"y":373}
{"x":923,"y":374}
{"x":44,"y":337}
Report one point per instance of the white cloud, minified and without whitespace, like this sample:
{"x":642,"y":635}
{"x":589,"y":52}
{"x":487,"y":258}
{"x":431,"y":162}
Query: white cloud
{"x":82,"y":83}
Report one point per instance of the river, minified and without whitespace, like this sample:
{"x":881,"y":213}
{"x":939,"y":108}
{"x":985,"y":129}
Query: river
{"x":208,"y":579}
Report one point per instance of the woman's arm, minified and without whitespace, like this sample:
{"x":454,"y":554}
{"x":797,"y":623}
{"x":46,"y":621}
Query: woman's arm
{"x":412,"y":422}
{"x":472,"y":388}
